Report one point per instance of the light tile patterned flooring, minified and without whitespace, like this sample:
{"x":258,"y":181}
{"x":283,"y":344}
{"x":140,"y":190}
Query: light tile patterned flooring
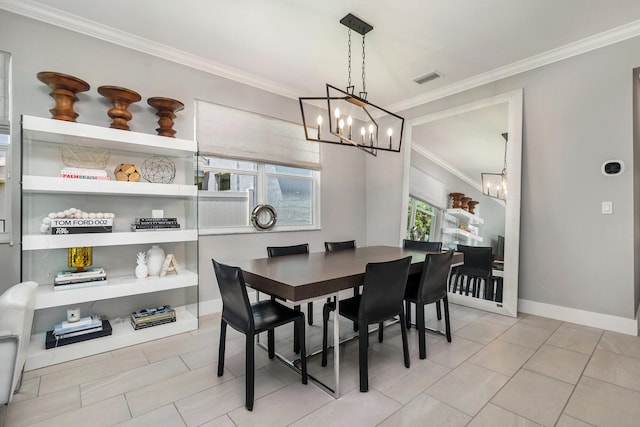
{"x":498,"y":371}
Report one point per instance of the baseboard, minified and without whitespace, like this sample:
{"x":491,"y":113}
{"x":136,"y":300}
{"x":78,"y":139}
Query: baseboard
{"x":580,"y":317}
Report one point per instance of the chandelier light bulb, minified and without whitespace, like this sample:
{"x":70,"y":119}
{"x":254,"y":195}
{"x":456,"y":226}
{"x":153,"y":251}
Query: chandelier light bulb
{"x":337,"y":113}
{"x":349,"y":123}
{"x":319,"y":124}
{"x":390,"y":133}
{"x":362,"y":133}
{"x":341,"y":126}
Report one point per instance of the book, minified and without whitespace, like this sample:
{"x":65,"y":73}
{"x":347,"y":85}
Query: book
{"x":148,"y":312}
{"x":89,"y":272}
{"x":85,"y":321}
{"x":51,"y":341}
{"x":82,"y":222}
{"x":83,"y":171}
{"x":58,"y":329}
{"x":80,"y":230}
{"x":77,"y":285}
{"x":153,"y":318}
{"x":136,"y":227}
{"x":71,"y":280}
{"x":150,"y":324}
{"x":142,"y":220}
{"x":78,"y":333}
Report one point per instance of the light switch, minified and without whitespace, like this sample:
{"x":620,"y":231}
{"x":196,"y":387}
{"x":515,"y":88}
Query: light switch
{"x":607,"y":208}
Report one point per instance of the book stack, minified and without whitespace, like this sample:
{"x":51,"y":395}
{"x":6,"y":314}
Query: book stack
{"x":150,"y":224}
{"x":81,"y":225}
{"x":152,"y":317}
{"x":71,"y":279}
{"x":72,"y":332}
{"x":82,"y":173}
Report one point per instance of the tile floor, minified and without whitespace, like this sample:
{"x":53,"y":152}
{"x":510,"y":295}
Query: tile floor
{"x":498,"y":371}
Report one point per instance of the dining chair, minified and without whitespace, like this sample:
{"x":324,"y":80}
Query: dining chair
{"x":381,"y":299}
{"x":340,"y":246}
{"x":432,"y":288}
{"x":414,"y":279}
{"x":252,"y":319}
{"x":477,"y":268}
{"x":276,"y":251}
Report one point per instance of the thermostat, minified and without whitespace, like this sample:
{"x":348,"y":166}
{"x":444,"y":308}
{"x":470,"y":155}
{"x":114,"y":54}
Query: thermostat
{"x":612,"y":167}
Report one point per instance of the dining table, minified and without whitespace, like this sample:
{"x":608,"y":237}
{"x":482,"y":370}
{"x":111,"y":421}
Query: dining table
{"x":305,"y":277}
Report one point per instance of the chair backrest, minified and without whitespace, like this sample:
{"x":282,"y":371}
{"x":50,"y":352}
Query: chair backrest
{"x":16,"y":319}
{"x":236,"y":308}
{"x":274,"y":251}
{"x":478,"y":260}
{"x":338,"y":246}
{"x":383,"y":291}
{"x":422,"y":246}
{"x":435,"y":277}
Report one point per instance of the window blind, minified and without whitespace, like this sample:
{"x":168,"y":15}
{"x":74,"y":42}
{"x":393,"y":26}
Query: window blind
{"x":229,"y":132}
{"x":4,"y":93}
{"x":426,"y":188}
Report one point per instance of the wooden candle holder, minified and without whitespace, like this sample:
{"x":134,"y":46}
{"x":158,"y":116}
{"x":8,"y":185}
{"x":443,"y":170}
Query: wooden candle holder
{"x":64,"y":92}
{"x":121,"y":98}
{"x":456,"y":199}
{"x":166,"y":109}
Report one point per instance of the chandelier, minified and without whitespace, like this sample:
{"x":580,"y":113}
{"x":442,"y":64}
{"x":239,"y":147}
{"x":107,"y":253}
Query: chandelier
{"x":342,"y":117}
{"x":495,"y":184}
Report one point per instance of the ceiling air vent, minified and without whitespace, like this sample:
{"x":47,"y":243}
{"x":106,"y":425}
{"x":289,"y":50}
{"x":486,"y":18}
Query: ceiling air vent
{"x":428,"y":77}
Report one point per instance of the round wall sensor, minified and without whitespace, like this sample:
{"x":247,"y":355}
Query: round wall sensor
{"x":612,"y":167}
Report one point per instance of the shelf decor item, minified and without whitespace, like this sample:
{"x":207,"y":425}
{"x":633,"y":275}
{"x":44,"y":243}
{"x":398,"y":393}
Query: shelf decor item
{"x":465,"y":203}
{"x":472,"y":206}
{"x":159,"y":170}
{"x":127,"y":172}
{"x":155,"y":260}
{"x":142,"y":270}
{"x":456,"y":202}
{"x":79,"y":258}
{"x":80,"y":156}
{"x":166,"y":109}
{"x":121,"y":98}
{"x":64,"y":92}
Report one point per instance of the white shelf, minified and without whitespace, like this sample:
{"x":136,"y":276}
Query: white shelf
{"x":47,"y":297}
{"x":462,"y":233}
{"x":62,"y":132}
{"x":465,"y":216}
{"x":32,"y":242}
{"x":45,"y":184}
{"x":123,"y":336}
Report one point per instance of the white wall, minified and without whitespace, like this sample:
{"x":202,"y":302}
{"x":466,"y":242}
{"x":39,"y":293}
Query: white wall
{"x":38,"y":47}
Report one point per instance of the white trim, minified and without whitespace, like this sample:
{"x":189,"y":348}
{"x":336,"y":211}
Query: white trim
{"x":94,"y":29}
{"x":580,"y":317}
{"x":211,"y":306}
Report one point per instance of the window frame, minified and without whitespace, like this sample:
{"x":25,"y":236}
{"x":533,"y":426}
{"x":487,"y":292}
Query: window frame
{"x":261,"y":196}
{"x":5,"y":129}
{"x":434,"y":214}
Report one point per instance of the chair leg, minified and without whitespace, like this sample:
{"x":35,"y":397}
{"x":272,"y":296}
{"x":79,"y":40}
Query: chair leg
{"x":296,"y":341}
{"x":447,"y":325}
{"x":249,"y":372}
{"x":405,"y":344}
{"x":310,"y":313}
{"x":407,"y":313}
{"x":303,"y":350}
{"x":438,"y":311}
{"x":363,"y":343}
{"x":422,"y":335}
{"x":325,"y":321}
{"x":271,"y":343}
{"x":380,"y":331}
{"x":223,"y":338}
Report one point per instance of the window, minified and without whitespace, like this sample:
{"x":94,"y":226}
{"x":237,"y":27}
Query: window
{"x":421,"y":221}
{"x":5,"y":163}
{"x":232,"y":188}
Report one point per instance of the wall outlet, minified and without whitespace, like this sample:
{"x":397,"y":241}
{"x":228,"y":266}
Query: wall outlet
{"x":607,"y":208}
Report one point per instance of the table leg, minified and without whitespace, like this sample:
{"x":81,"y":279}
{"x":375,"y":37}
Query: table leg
{"x":336,"y":346}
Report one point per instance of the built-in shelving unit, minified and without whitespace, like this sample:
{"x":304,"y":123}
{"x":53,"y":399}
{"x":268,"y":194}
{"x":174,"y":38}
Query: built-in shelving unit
{"x":458,"y":226}
{"x":43,"y":255}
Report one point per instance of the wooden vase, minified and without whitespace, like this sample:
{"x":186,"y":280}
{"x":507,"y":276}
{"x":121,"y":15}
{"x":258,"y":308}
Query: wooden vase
{"x":456,"y":199}
{"x":64,"y":92}
{"x":166,"y":109}
{"x":472,"y":206}
{"x":465,"y":203}
{"x":121,"y":98}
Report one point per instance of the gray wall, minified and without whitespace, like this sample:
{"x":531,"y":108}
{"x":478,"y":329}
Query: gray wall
{"x":38,"y":47}
{"x":577,"y":113}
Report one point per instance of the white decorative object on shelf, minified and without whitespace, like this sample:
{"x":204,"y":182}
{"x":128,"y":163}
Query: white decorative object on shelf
{"x":155,"y":260}
{"x":142,"y":271}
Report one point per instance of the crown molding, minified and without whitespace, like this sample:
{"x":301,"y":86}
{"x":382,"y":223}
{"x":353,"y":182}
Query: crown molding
{"x":49,"y":15}
{"x":579,"y":47}
{"x":103,"y":32}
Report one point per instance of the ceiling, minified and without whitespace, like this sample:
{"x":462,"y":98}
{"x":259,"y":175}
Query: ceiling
{"x":294,"y":47}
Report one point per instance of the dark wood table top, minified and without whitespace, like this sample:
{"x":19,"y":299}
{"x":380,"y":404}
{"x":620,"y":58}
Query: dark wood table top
{"x":300,"y":277}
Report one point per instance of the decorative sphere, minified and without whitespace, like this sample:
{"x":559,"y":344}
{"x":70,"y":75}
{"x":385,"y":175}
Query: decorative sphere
{"x":126,"y":172}
{"x":159,"y":169}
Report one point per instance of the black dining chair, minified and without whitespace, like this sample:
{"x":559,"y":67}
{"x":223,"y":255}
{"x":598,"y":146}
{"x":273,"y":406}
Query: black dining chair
{"x":477,"y":268}
{"x":341,"y":246}
{"x":381,"y":299}
{"x":276,"y":251}
{"x":432,"y":288}
{"x":414,"y":279}
{"x":251,"y":319}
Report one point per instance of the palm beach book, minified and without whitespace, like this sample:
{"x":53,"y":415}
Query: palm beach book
{"x":53,"y":341}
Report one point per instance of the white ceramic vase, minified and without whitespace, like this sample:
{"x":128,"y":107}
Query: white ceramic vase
{"x":155,"y":259}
